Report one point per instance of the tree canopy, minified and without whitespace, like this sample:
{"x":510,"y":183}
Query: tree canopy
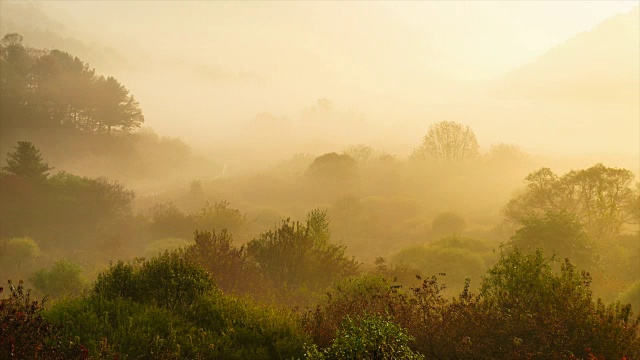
{"x":448,"y":141}
{"x":51,"y":88}
{"x":603,"y":199}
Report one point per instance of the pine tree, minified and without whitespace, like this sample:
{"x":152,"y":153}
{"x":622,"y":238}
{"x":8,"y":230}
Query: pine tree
{"x":27,"y":162}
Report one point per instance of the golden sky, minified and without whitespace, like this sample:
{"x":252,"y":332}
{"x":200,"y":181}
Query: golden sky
{"x":213,"y":63}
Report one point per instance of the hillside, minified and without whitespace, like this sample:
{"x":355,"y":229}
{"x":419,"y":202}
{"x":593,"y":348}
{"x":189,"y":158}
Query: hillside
{"x":579,"y":69}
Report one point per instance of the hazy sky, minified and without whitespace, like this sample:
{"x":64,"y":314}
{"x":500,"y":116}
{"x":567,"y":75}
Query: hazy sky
{"x":467,"y":40}
{"x":212,"y":63}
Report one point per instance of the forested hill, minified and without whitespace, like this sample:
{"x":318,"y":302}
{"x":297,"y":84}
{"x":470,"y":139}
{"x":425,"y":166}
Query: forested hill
{"x":78,"y":118}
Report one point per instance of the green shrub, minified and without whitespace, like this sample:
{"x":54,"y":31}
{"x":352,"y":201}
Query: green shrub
{"x":557,"y":233}
{"x":247,"y":331}
{"x":17,"y":255}
{"x":133,"y":330}
{"x":170,"y":280}
{"x":371,"y":294}
{"x":368,"y":337}
{"x":457,"y":257}
{"x":64,"y":278}
{"x":298,"y":255}
{"x":166,"y":308}
{"x":533,"y":309}
{"x":230,"y":267}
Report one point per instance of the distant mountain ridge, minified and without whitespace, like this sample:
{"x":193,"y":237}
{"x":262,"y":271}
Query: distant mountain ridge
{"x":601,"y":65}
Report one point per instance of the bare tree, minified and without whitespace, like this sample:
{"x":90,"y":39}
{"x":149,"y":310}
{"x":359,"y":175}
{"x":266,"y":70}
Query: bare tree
{"x":448,"y":141}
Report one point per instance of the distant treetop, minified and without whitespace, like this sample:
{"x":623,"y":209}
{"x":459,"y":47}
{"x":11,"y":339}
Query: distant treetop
{"x":448,"y":141}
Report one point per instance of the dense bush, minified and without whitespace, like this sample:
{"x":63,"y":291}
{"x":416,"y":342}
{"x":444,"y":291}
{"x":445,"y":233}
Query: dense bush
{"x":540,"y":313}
{"x":371,"y":294}
{"x":63,"y":279}
{"x":170,"y":281}
{"x":297,"y":255}
{"x":17,"y":256}
{"x":557,"y":233}
{"x":457,"y":257}
{"x":168,"y":308}
{"x":25,"y":334}
{"x":367,"y":337}
{"x":525,"y":309}
{"x":230,"y":267}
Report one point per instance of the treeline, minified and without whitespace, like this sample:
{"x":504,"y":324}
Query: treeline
{"x":83,"y":121}
{"x":61,"y":210}
{"x":292,"y":292}
{"x":52,"y":89}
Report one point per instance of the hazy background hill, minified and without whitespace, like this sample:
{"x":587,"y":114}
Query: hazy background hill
{"x":403,"y":69}
{"x":598,"y":66}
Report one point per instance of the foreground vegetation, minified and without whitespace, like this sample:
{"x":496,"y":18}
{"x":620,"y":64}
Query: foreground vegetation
{"x":169,"y":307}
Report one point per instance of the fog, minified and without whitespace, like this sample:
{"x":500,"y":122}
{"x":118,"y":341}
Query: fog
{"x":285,"y":167}
{"x":203,"y":71}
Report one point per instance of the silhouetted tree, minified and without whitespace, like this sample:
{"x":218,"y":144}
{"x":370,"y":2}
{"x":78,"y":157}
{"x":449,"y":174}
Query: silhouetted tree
{"x":26,"y":161}
{"x":333,"y":166}
{"x":52,"y":89}
{"x":603,"y":199}
{"x":448,"y":141}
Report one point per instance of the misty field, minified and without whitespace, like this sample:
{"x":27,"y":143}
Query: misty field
{"x":359,"y":180}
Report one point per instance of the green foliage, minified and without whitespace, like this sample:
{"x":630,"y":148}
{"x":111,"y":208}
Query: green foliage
{"x":368,"y":337}
{"x":603,"y":199}
{"x":228,"y":265}
{"x":64,"y":207}
{"x":525,"y":309}
{"x":219,"y":216}
{"x":167,"y":308}
{"x":27,"y":162}
{"x":539,"y":313}
{"x":371,"y":294}
{"x":457,"y":257}
{"x":170,"y":280}
{"x":62,"y":92}
{"x":293,"y":258}
{"x":169,"y":221}
{"x":247,"y":331}
{"x":63,"y":279}
{"x":133,"y":330}
{"x":299,"y":255}
{"x":17,"y":255}
{"x":318,"y":226}
{"x":556,"y":233}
